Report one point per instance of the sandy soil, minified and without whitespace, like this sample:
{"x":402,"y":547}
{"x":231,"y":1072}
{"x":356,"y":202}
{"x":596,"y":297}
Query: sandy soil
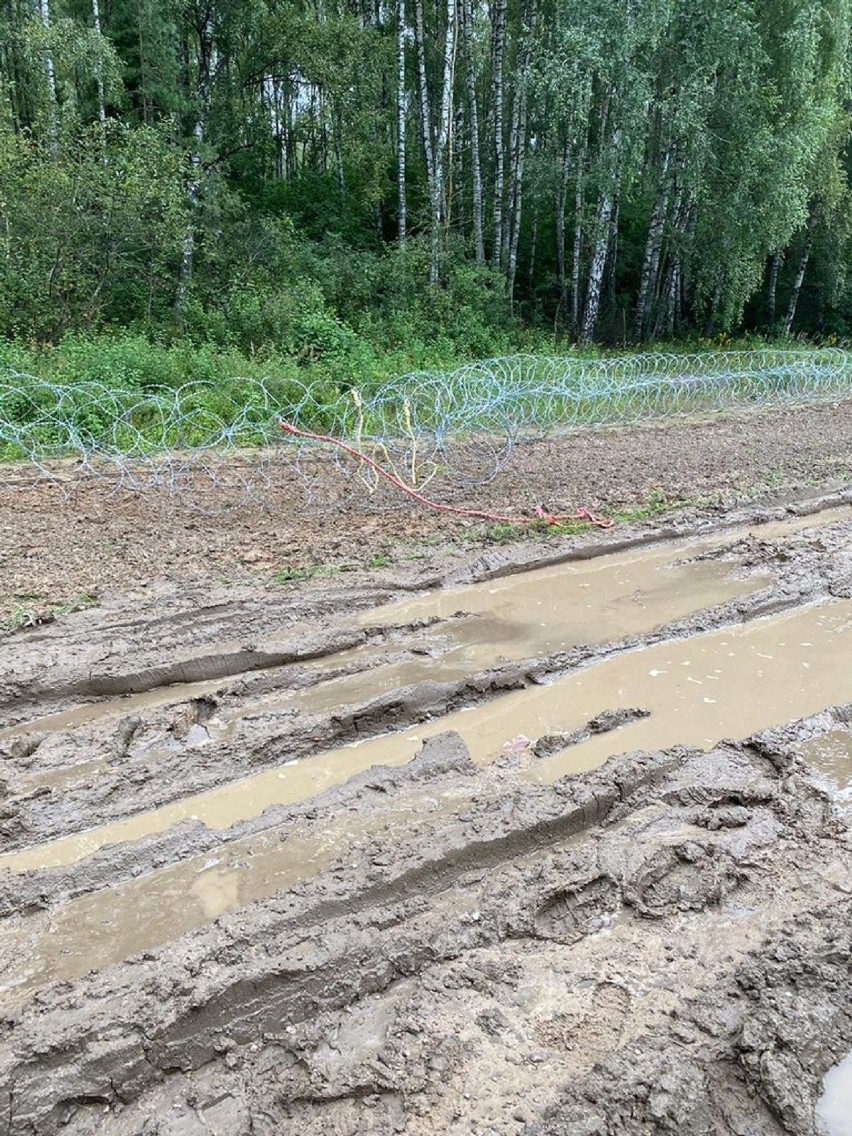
{"x":548,"y":838}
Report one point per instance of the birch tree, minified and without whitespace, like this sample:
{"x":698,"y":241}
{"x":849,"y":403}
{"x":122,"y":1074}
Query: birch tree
{"x":401,"y":96}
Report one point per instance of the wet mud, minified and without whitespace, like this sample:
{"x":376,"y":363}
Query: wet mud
{"x":545,"y":844}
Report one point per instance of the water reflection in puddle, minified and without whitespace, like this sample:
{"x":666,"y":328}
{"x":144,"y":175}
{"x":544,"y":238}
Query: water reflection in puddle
{"x":834,"y":1108}
{"x":831,"y":756}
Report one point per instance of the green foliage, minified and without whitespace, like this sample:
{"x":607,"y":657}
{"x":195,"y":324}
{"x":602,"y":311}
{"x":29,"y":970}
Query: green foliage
{"x":226,"y":174}
{"x":103,"y":244}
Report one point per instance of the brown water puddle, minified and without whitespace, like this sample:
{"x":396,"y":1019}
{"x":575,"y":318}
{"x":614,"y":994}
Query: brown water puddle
{"x":831,"y":756}
{"x":97,"y":929}
{"x":727,"y":683}
{"x":224,"y":806}
{"x":528,"y":614}
{"x":724,"y":683}
{"x":539,"y":614}
{"x":612,"y":596}
{"x":104,"y":927}
{"x":114,"y":708}
{"x":633,"y":592}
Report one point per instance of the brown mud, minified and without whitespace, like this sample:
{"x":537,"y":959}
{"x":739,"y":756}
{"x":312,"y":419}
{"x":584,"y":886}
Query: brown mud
{"x":551,"y":839}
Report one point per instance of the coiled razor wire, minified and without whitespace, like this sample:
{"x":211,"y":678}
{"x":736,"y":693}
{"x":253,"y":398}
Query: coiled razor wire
{"x":219,"y":445}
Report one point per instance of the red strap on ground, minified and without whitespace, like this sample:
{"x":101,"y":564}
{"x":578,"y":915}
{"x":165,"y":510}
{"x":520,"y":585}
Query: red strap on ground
{"x":540,"y":515}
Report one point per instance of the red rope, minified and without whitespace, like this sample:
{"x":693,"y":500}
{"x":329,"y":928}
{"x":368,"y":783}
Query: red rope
{"x":551,"y":518}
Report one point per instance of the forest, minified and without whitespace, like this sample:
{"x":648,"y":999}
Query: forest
{"x":380,"y":185}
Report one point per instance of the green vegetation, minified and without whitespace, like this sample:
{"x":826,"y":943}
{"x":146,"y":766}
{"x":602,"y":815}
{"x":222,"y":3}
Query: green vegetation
{"x":656,"y":505}
{"x":25,"y":613}
{"x":354,"y":191}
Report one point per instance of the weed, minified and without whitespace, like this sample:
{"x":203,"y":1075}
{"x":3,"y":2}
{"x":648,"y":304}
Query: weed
{"x":378,"y":561}
{"x":292,"y":575}
{"x":79,"y":603}
{"x":24,"y":615}
{"x":656,"y":504}
{"x":297,"y":575}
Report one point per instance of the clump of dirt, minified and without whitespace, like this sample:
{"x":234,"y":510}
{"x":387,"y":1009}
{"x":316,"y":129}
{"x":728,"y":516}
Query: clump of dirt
{"x":602,"y":723}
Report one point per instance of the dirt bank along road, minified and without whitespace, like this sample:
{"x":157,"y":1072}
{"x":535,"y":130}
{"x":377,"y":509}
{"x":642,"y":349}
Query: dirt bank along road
{"x":360,"y":823}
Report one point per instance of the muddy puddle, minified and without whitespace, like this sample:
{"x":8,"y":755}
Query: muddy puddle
{"x":834,"y":1108}
{"x":104,"y":927}
{"x":614,"y":595}
{"x":535,"y":613}
{"x":726,"y":683}
{"x":529,"y":614}
{"x":97,"y":711}
{"x":831,"y":756}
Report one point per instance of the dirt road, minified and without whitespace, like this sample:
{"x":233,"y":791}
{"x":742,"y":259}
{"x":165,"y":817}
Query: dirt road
{"x":548,"y":838}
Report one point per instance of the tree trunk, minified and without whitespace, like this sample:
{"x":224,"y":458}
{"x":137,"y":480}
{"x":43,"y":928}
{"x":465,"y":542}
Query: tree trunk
{"x":653,"y":249}
{"x":508,"y":205}
{"x":772,"y":291}
{"x":519,"y":150}
{"x":206,"y":66}
{"x":337,"y":142}
{"x":710,"y":323}
{"x":99,"y":75}
{"x":577,"y":251}
{"x":423,"y":94}
{"x":533,"y":250}
{"x":498,"y":51}
{"x":473,"y":118}
{"x":443,"y":142}
{"x":50,"y":82}
{"x":561,"y":202}
{"x":518,"y":160}
{"x":800,"y":275}
{"x":402,"y":206}
{"x":607,"y":205}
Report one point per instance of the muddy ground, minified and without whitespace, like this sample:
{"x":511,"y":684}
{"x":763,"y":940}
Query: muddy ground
{"x":542,"y":838}
{"x":293,"y":520}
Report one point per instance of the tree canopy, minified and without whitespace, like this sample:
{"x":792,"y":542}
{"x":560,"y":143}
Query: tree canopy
{"x":290,"y":172}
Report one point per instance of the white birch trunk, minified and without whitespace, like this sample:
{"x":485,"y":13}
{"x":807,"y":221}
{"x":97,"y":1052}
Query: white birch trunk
{"x":561,"y":203}
{"x":607,"y":205}
{"x":423,"y":94}
{"x":473,"y":119}
{"x":517,"y":192}
{"x":577,"y":251}
{"x":43,"y":10}
{"x":800,"y":275}
{"x":441,"y":154}
{"x":772,"y":291}
{"x":498,"y":52}
{"x":509,"y":203}
{"x":518,"y":154}
{"x":207,"y":61}
{"x":99,"y":75}
{"x":402,"y":205}
{"x":653,"y":248}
